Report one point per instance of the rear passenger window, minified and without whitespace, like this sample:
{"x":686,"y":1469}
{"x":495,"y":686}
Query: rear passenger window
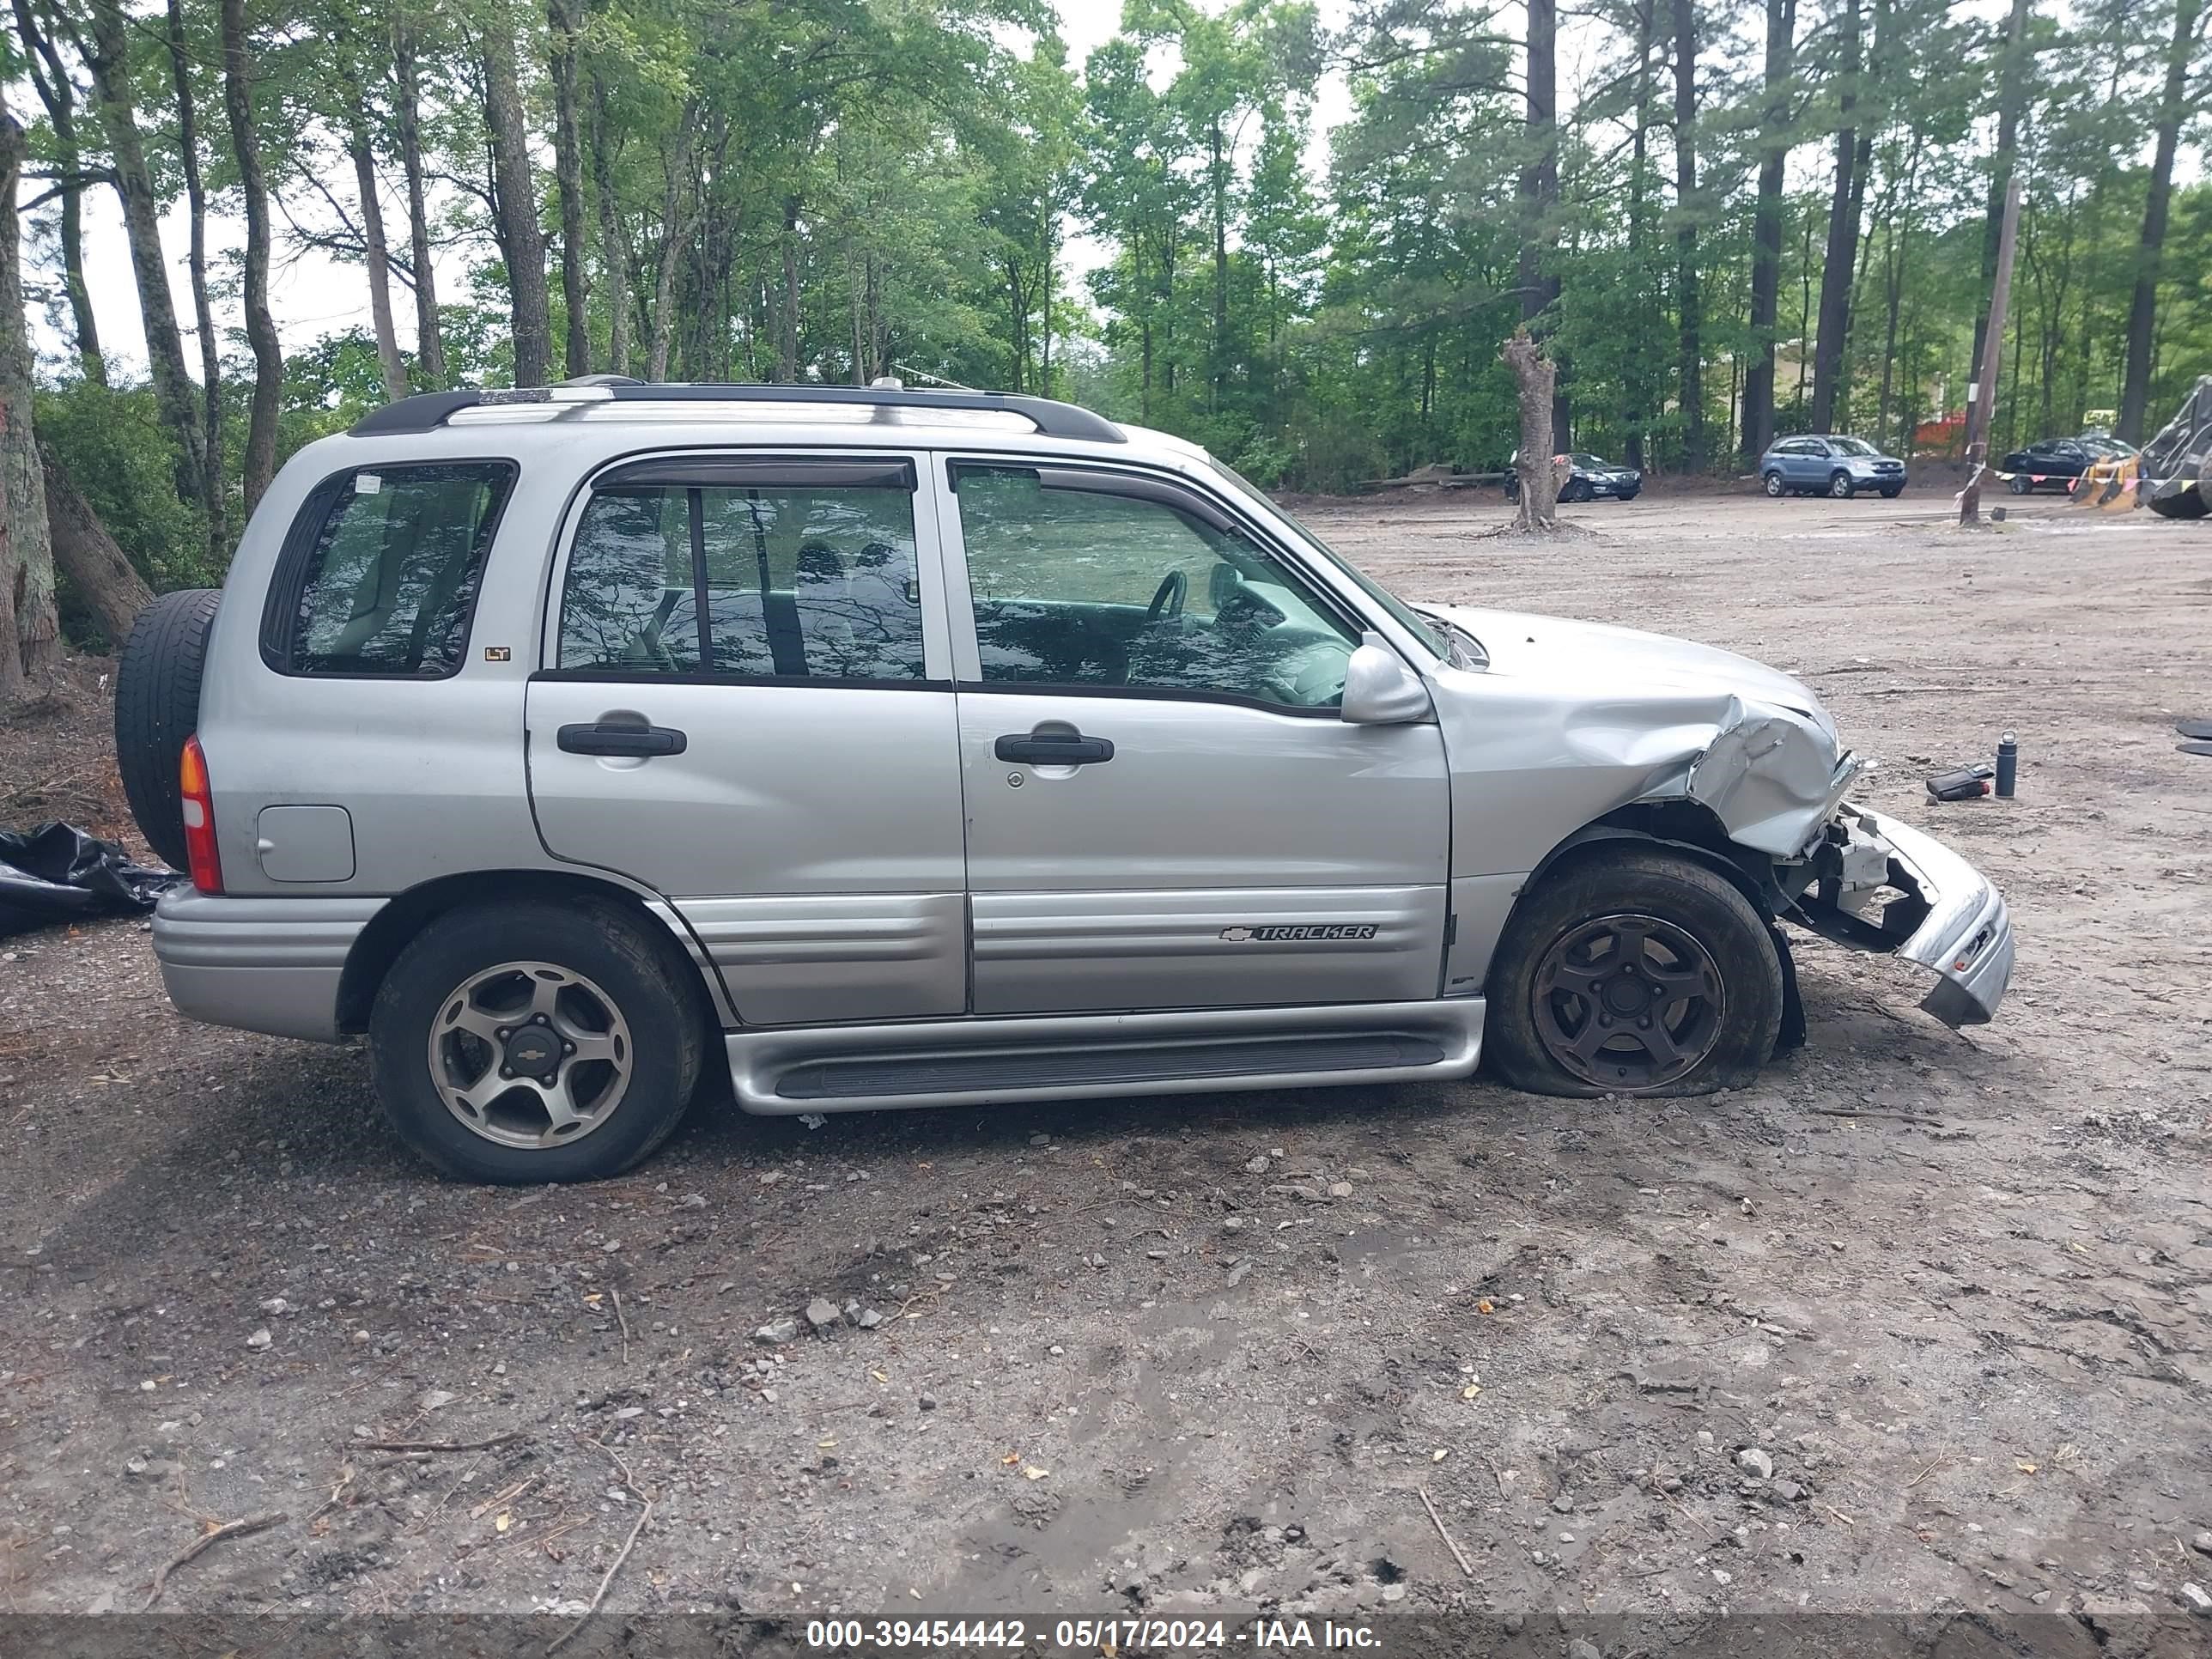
{"x":386,"y":585}
{"x":745,"y":579}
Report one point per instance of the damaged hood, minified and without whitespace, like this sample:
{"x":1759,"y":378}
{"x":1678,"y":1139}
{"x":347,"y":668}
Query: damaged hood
{"x":1747,"y":741}
{"x":1604,"y":661}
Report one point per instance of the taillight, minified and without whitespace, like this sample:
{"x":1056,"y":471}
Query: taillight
{"x":199,"y":801}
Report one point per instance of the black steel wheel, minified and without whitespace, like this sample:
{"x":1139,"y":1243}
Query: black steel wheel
{"x":1628,"y":1002}
{"x":1633,"y":970}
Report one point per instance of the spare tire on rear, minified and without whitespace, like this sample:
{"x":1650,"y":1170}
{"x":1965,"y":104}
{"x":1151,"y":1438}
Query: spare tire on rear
{"x":157,"y":706}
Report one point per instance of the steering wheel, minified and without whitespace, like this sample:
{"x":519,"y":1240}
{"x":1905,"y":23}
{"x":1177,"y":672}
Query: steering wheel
{"x":1167,"y":597}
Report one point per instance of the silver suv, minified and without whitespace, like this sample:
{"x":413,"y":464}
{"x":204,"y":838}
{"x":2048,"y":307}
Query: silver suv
{"x":903,"y":749}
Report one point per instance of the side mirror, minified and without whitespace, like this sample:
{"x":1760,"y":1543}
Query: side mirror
{"x":1380,"y":690}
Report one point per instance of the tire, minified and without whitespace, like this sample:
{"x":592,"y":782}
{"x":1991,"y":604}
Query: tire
{"x":1572,"y":491}
{"x":1892,"y":492}
{"x":157,"y":707}
{"x":1774,"y":486}
{"x":455,"y":976}
{"x":1512,"y":488}
{"x":1840,"y":487}
{"x":1719,"y":1035}
{"x":2020,"y":484}
{"x":2188,"y":503}
{"x":1629,"y":495}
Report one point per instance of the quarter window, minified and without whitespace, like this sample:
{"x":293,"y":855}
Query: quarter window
{"x":1088,"y":586}
{"x":387,"y":585}
{"x":744,"y":579}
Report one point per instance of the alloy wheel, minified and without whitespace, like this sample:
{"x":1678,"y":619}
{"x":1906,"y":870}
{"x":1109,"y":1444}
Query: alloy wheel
{"x":529,"y":1055}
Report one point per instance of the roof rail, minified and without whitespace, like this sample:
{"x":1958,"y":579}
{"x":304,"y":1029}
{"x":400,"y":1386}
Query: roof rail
{"x":427,"y":410}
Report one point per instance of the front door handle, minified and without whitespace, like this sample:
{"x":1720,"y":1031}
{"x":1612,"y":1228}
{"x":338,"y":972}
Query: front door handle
{"x":1053,"y":749}
{"x":619,"y":737}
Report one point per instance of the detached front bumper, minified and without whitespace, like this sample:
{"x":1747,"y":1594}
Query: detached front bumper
{"x":1951,"y":920}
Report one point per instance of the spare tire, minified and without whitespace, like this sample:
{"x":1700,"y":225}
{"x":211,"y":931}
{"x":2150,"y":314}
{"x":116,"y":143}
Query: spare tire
{"x":2188,"y":503}
{"x":157,"y":705}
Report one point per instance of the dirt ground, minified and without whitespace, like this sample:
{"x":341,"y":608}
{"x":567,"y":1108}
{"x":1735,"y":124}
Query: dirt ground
{"x":1955,"y":1292}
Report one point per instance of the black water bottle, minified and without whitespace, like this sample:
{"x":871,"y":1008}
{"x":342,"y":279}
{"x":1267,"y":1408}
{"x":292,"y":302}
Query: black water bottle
{"x":2007,"y":764}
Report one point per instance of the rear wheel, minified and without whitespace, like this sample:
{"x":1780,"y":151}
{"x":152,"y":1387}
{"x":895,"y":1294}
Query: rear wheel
{"x":1641,"y":973}
{"x":1841,"y":487}
{"x":536,"y":1042}
{"x":1773,"y":482}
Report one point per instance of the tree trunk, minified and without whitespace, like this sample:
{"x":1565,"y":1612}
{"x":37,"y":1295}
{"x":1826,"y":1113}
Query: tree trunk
{"x":2012,"y":105}
{"x":1220,"y":171}
{"x":565,"y":18}
{"x":29,"y":626}
{"x":214,"y":485}
{"x":1539,"y":185}
{"x":1637,"y":380}
{"x":514,"y":209}
{"x":87,"y":555}
{"x":1534,"y":385}
{"x":1767,"y":230}
{"x":109,"y":61}
{"x":429,"y":341}
{"x":1685,"y":235}
{"x":2142,"y":309}
{"x":786,"y":366}
{"x":1836,"y":268}
{"x":57,"y":92}
{"x":677,"y":219}
{"x":614,"y":249}
{"x":260,"y":325}
{"x":394,"y":367}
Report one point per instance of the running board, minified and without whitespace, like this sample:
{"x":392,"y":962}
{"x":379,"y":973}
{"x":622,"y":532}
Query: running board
{"x":987,"y":1062}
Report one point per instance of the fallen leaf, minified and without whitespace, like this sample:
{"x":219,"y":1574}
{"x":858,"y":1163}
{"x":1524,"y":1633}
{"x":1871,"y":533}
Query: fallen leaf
{"x":825,"y":1445}
{"x":1438,"y":1455}
{"x":1483,"y":1306}
{"x":879,"y":1376}
{"x":1010,"y":1460}
{"x":1032,"y":1472}
{"x":503,"y":1522}
{"x":2025,"y":1467}
{"x":1470,"y":1391}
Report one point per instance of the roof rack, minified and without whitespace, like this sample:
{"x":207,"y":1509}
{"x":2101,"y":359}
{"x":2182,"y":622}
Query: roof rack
{"x":427,"y":410}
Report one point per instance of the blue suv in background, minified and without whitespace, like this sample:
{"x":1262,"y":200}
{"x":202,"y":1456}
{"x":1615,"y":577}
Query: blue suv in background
{"x":1835,"y":466}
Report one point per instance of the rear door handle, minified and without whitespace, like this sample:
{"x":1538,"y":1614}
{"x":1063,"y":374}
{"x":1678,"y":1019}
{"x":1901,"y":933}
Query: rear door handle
{"x":1053,"y":749}
{"x":615,"y":737}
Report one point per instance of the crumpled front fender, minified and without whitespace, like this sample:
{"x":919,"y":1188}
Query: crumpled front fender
{"x":1771,"y":776}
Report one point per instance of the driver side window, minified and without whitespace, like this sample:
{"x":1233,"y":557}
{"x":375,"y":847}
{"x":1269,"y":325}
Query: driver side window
{"x":1080,"y":586}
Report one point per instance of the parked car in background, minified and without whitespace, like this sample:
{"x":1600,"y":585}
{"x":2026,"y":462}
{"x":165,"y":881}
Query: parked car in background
{"x":1829,"y":465}
{"x":2058,"y":462}
{"x":1589,"y":476}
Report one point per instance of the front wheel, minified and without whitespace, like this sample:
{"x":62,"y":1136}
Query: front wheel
{"x":1840,"y":487}
{"x":531,"y":1042}
{"x":1891,"y":492}
{"x":1639,"y":974}
{"x":2021,"y":484}
{"x":1774,"y":486}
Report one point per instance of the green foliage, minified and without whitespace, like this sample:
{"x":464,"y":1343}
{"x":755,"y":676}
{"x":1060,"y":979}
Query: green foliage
{"x":115,"y":450}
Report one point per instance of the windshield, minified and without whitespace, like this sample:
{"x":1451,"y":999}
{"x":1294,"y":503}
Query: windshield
{"x":1852,"y":447}
{"x":1405,"y":617}
{"x":1591,"y":462}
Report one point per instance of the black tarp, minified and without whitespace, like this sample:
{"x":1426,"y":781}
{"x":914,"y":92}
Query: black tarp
{"x":56,"y":873}
{"x":2182,"y":451}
